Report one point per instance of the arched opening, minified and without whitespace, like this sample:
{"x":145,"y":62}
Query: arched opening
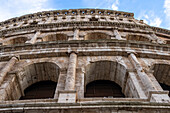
{"x":105,"y":77}
{"x":162,"y":75}
{"x":37,"y":76}
{"x":103,"y":88}
{"x":97,"y":36}
{"x":40,"y":90}
{"x":137,"y":38}
{"x":18,"y":40}
{"x":55,"y":37}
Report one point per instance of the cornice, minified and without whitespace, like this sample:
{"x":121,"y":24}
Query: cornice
{"x":75,"y":12}
{"x":81,"y":24}
{"x":85,"y":48}
{"x":70,"y":12}
{"x":51,"y":104}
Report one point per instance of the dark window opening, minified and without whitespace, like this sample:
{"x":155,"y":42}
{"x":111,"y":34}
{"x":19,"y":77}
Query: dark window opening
{"x":40,"y":90}
{"x":93,"y":19}
{"x":103,"y":88}
{"x":165,"y":87}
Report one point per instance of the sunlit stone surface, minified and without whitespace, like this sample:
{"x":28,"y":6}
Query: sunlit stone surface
{"x":96,"y":60}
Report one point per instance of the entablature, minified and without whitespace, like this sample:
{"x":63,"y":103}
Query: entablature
{"x":83,"y":48}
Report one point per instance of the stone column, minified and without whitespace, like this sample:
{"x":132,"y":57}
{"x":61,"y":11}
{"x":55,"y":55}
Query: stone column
{"x":139,"y":92}
{"x":34,"y":38}
{"x":80,"y":76}
{"x":1,"y":40}
{"x":69,"y":94}
{"x":76,"y":34}
{"x":71,"y":72}
{"x":148,"y":86}
{"x":118,"y":36}
{"x":7,"y":68}
{"x":60,"y":83}
{"x":152,"y":93}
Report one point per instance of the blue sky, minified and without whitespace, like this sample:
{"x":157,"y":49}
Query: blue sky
{"x":153,"y":12}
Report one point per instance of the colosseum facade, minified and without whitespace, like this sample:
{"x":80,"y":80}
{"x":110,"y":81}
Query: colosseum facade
{"x":83,"y":61}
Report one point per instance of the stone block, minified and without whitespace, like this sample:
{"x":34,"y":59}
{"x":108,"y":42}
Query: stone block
{"x":67,"y":97}
{"x":159,"y":96}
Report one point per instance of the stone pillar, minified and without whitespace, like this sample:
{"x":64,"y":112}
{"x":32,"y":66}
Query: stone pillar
{"x":80,"y":76}
{"x":76,"y":34}
{"x":7,"y":68}
{"x":148,"y":86}
{"x":139,"y":92}
{"x":152,"y":93}
{"x":60,"y":83}
{"x":118,"y":36}
{"x":34,"y":38}
{"x":71,"y":72}
{"x":69,"y":94}
{"x":1,"y":40}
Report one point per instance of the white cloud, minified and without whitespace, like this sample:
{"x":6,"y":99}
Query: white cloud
{"x":150,"y":18}
{"x":156,"y":22}
{"x":13,"y":8}
{"x":167,"y":11}
{"x":115,"y":5}
{"x":106,"y":4}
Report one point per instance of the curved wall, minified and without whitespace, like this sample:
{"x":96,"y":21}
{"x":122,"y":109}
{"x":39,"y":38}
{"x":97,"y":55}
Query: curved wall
{"x":78,"y":46}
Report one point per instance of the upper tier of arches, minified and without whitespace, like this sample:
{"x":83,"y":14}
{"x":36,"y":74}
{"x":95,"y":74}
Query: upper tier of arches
{"x":83,"y":35}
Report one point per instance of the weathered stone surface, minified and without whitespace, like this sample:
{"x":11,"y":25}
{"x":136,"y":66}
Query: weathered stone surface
{"x":76,"y":47}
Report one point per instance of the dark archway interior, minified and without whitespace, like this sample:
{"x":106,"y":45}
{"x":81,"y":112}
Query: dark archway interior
{"x":165,"y":87}
{"x":162,"y":75}
{"x":40,"y":90}
{"x":103,"y":88}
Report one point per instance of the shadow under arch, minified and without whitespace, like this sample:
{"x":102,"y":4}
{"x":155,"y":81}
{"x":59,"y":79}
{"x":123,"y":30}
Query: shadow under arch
{"x":103,"y":88}
{"x":97,"y":36}
{"x":162,"y":74}
{"x":54,"y":37}
{"x":105,"y":71}
{"x":17,"y":40}
{"x":40,"y":90}
{"x":37,"y":72}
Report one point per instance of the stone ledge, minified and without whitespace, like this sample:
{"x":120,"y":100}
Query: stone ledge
{"x":86,"y":43}
{"x":83,"y":23}
{"x":49,"y":13}
{"x":130,"y":106}
{"x":63,"y":52}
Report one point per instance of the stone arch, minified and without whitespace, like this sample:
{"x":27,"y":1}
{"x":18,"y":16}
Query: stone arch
{"x":54,"y":37}
{"x":96,"y":36}
{"x":37,"y":72}
{"x":135,"y":37}
{"x":17,"y":40}
{"x":105,"y":70}
{"x":162,"y":74}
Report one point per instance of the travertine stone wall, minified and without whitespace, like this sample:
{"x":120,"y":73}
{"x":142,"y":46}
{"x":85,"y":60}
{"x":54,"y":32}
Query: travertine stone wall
{"x":76,"y":47}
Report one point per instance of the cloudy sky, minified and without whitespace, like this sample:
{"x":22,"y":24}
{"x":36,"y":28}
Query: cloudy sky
{"x":153,"y":12}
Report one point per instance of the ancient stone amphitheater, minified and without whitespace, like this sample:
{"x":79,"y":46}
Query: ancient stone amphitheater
{"x":83,"y":61}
